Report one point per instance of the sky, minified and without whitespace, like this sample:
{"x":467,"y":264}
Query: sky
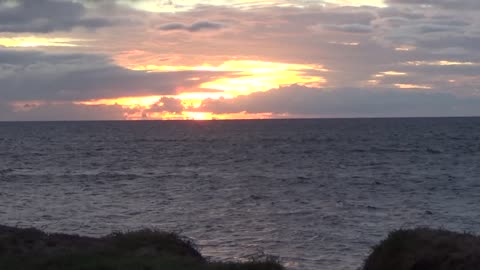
{"x":238,"y":59}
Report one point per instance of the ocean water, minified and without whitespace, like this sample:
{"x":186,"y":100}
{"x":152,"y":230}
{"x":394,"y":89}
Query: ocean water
{"x":317,"y":193}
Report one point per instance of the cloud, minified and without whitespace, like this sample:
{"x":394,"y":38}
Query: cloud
{"x":292,"y":101}
{"x":350,"y":28}
{"x":34,"y":75}
{"x":314,"y":102}
{"x":60,"y":112}
{"x":442,"y":30}
{"x":195,"y":27}
{"x":45,"y":16}
{"x":166,"y":104}
{"x":385,"y":39}
{"x":449,"y":4}
{"x":303,"y":35}
{"x":312,"y":35}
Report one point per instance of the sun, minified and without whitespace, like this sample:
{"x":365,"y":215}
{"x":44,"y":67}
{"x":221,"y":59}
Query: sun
{"x":198,"y":115}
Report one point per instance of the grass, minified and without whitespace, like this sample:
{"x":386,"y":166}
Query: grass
{"x":31,"y":249}
{"x":426,"y":249}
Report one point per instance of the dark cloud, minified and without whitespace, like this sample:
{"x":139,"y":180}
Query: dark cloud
{"x":5,"y":111}
{"x":33,"y":75}
{"x":433,"y":31}
{"x":60,"y":112}
{"x":166,"y":104}
{"x":299,"y":100}
{"x":344,"y":15}
{"x":196,"y":27}
{"x":45,"y":16}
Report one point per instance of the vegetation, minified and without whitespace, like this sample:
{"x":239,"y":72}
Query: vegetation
{"x":426,"y":249}
{"x":31,"y":249}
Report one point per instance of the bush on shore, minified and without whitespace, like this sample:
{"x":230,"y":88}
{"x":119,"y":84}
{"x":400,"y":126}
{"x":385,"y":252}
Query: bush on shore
{"x":426,"y":249}
{"x":32,"y":249}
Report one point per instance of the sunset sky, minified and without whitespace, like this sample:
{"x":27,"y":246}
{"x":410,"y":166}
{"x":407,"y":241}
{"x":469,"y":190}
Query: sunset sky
{"x":238,"y":59}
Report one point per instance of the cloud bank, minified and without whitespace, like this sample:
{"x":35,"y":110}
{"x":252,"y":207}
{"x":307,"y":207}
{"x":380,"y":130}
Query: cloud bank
{"x":303,"y":101}
{"x":35,"y":75}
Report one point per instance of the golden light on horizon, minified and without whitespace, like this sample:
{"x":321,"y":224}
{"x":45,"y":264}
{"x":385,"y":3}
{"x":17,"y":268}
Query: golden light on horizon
{"x":129,"y":102}
{"x":193,"y":115}
{"x":198,"y":115}
{"x":188,"y":99}
{"x":31,"y":41}
{"x":242,"y":77}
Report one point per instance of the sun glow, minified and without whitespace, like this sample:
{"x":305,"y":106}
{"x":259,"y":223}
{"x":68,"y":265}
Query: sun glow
{"x":188,"y":100}
{"x":28,"y":42}
{"x":128,"y":102}
{"x":247,"y":76}
{"x":198,"y":115}
{"x":254,"y":76}
{"x":242,"y":77}
{"x":192,"y":115}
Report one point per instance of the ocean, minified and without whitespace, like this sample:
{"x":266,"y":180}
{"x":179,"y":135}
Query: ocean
{"x":317,"y":193}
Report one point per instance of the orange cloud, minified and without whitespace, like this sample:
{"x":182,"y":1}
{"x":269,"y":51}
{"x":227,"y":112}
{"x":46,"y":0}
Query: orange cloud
{"x":242,"y":77}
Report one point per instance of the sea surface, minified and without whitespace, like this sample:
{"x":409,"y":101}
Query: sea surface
{"x":317,"y":193}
